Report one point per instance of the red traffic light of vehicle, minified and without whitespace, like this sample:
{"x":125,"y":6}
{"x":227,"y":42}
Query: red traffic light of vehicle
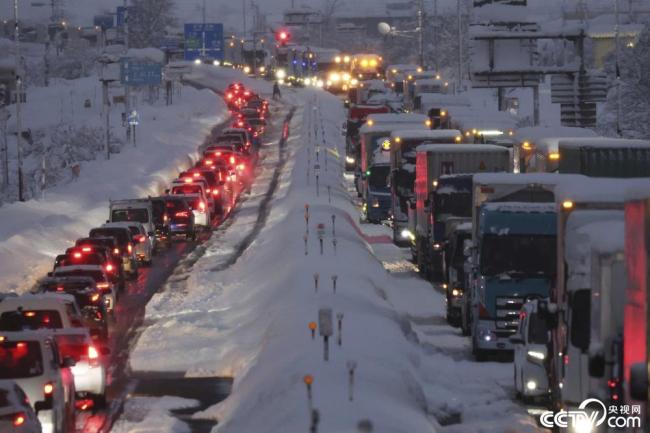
{"x":283,"y":36}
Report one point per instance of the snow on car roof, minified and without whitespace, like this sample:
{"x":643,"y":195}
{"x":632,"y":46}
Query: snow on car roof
{"x":62,"y":269}
{"x":460,"y":148}
{"x":33,"y":299}
{"x":444,"y":99}
{"x":519,"y":207}
{"x":553,"y":144}
{"x":605,"y":190}
{"x":425,"y":81}
{"x":607,"y":235}
{"x":525,"y":178}
{"x":413,"y":134}
{"x":388,"y":127}
{"x":533,"y":134}
{"x":396,"y":117}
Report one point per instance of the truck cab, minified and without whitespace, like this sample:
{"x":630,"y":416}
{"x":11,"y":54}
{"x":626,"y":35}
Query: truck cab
{"x":514,"y":262}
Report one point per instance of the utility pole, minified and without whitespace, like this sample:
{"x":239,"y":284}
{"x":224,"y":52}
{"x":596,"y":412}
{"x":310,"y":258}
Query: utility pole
{"x":204,"y":14}
{"x":436,"y":37}
{"x":421,"y":31}
{"x":243,"y":8}
{"x":618,"y":70}
{"x":127,"y":89}
{"x":460,"y":47}
{"x":19,"y":92}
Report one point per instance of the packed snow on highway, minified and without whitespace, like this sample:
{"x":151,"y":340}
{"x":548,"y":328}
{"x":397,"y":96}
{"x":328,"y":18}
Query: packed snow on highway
{"x":369,"y":216}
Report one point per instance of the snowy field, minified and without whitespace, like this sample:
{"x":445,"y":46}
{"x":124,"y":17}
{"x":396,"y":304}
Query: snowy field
{"x":250,"y":320}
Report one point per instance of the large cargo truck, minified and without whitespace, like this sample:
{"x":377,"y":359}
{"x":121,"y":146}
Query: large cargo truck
{"x":436,"y":202}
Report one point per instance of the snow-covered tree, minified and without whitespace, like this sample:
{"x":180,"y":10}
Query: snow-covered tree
{"x":635,"y":91}
{"x":149,"y":21}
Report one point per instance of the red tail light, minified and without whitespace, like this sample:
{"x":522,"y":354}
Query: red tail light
{"x":232,"y":159}
{"x":19,"y":419}
{"x":116,"y":251}
{"x":77,"y":255}
{"x":86,"y":249}
{"x":109,"y":267}
{"x":201,"y":206}
{"x":215,"y":192}
{"x":48,"y":389}
{"x":182,"y":214}
{"x":229,"y":96}
{"x":139,"y":238}
{"x":95,"y":297}
{"x":103,"y":286}
{"x":60,"y":289}
{"x":483,"y":313}
{"x":208,"y":162}
{"x":129,"y":248}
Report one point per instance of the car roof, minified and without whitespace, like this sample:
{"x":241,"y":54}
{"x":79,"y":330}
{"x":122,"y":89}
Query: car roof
{"x":125,"y":224}
{"x":32,"y":300}
{"x":79,"y":268}
{"x":64,"y":279}
{"x":26,"y":335}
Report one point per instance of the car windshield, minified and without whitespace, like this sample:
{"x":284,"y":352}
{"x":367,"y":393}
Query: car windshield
{"x":456,"y":204}
{"x":379,"y":176}
{"x":175,"y":205}
{"x":537,"y":330}
{"x":20,"y":359}
{"x":518,"y":255}
{"x":30,"y":320}
{"x":187,"y":189}
{"x":119,"y":234}
{"x":73,"y":346}
{"x":139,"y":215}
{"x":68,"y":286}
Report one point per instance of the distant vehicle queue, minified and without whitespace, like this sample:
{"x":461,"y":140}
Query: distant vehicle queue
{"x":539,"y":237}
{"x":54,"y":341}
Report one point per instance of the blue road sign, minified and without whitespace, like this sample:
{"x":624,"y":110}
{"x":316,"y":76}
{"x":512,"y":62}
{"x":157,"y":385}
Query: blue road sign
{"x":103,"y":21}
{"x":138,"y":72}
{"x":121,"y":15}
{"x":204,"y":41}
{"x":170,"y":43}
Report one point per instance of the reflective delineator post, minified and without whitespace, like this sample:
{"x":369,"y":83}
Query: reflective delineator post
{"x":339,"y":319}
{"x":316,"y":277}
{"x":333,"y":224}
{"x":329,"y":190}
{"x":306,"y":217}
{"x":308,"y":380}
{"x":306,"y":239}
{"x":312,"y":328}
{"x":334,"y":245}
{"x":351,"y":365}
{"x":334,"y":278}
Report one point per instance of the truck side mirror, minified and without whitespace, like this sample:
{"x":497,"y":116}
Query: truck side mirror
{"x":639,"y":381}
{"x":597,"y":365}
{"x":40,"y":406}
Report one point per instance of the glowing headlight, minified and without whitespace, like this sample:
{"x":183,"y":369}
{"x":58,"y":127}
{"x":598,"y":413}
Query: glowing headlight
{"x":346,"y":77}
{"x":197,"y":61}
{"x":335,"y":77}
{"x":320,"y":83}
{"x":375,"y":203}
{"x":536,"y":355}
{"x":247,"y":69}
{"x":354,"y":81}
{"x":349,"y":160}
{"x":405,"y":234}
{"x":456,"y":293}
{"x":307,"y":81}
{"x":280,"y":74}
{"x":531,"y":385}
{"x":216,"y":63}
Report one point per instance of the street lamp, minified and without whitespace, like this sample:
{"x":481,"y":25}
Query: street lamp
{"x":386,"y":29}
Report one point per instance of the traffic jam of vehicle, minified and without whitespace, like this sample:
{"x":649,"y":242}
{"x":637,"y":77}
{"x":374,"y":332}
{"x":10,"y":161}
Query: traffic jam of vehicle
{"x":56,"y":341}
{"x":533,"y":235}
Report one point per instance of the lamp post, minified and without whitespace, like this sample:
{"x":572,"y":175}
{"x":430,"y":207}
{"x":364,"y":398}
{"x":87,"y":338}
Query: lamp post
{"x":386,"y":29}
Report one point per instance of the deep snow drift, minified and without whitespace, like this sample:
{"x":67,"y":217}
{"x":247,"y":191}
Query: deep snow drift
{"x":33,"y":232}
